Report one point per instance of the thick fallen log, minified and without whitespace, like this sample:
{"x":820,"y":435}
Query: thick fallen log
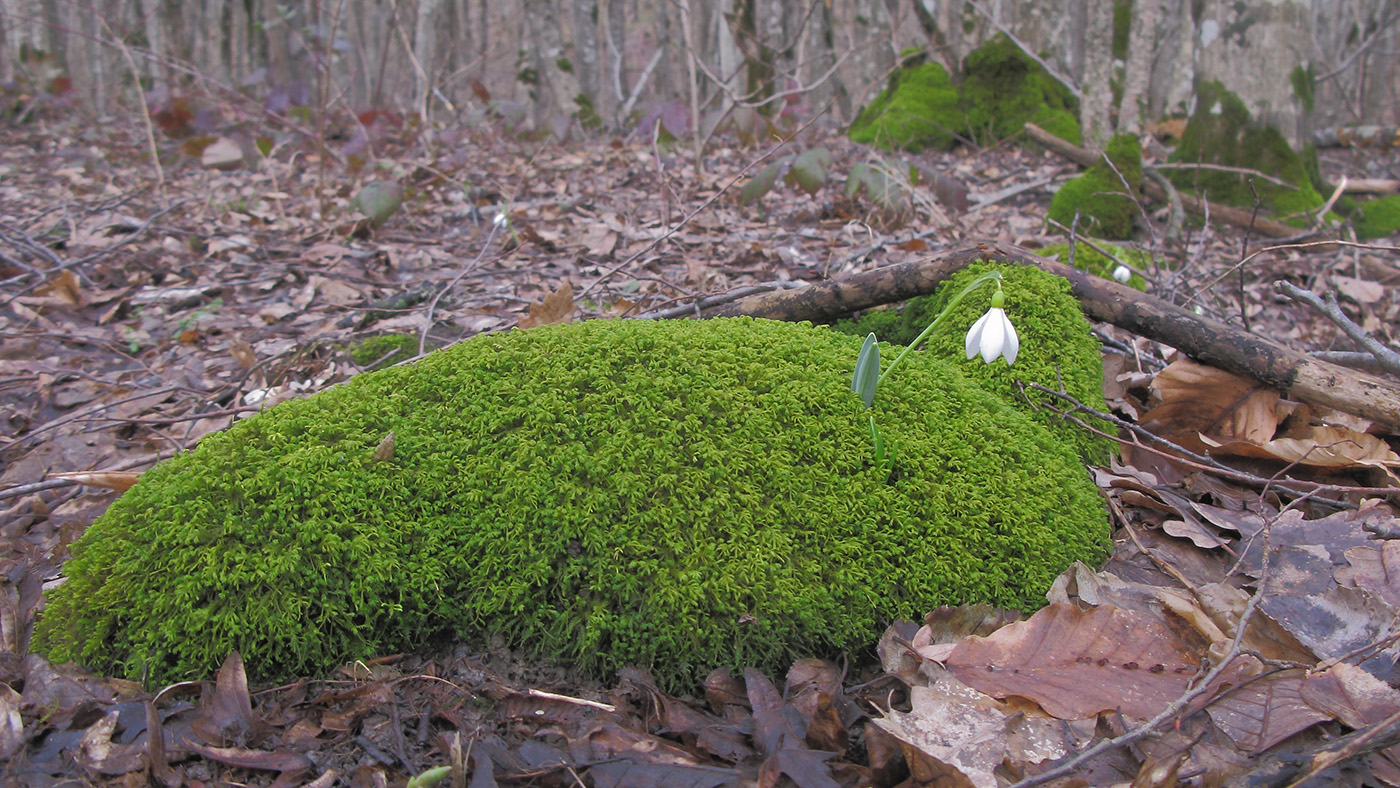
{"x":1225,"y":213}
{"x":1208,"y":341}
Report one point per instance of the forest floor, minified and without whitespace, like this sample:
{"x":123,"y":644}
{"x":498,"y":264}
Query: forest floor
{"x":142,"y":308}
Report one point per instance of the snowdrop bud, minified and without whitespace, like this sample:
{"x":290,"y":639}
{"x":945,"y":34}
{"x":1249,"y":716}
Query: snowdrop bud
{"x":1121,"y":274}
{"x":500,"y":220}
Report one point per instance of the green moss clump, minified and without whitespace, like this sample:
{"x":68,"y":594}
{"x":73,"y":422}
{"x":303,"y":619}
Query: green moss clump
{"x":384,"y":350}
{"x":1057,"y":349}
{"x":1004,"y":88}
{"x":1086,"y":258}
{"x":676,"y":494}
{"x":1221,"y":131}
{"x":1056,"y":346}
{"x":1105,"y":208}
{"x":918,"y":110}
{"x":1378,"y":218}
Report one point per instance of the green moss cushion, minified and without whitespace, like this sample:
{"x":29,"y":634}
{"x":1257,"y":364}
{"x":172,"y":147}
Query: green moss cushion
{"x":681,"y":495}
{"x":1057,"y":349}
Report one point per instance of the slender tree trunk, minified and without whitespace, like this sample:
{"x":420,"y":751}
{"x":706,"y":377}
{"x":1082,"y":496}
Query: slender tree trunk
{"x":1098,"y":70}
{"x":1138,"y":70}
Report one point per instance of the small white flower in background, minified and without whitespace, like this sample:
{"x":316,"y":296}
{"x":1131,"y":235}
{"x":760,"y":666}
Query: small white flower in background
{"x":1121,"y":274}
{"x":500,"y":220}
{"x":993,"y":335}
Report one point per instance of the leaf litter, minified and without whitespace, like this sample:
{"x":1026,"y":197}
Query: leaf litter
{"x":1243,"y":632}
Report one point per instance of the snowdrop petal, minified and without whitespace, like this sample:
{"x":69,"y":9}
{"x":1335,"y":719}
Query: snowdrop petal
{"x":1013,"y":342}
{"x":974,"y":335}
{"x":993,"y":334}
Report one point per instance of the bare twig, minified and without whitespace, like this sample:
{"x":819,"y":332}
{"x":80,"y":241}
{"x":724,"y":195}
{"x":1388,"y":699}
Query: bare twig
{"x":1389,"y":359}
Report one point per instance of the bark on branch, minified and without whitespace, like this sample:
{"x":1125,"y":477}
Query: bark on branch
{"x":1208,"y":341}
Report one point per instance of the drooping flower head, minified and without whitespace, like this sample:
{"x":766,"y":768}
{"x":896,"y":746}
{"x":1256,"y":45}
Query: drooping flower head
{"x":993,"y":335}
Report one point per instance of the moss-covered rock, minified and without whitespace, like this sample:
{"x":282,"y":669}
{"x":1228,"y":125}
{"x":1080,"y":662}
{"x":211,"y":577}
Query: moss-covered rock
{"x":675,"y":494}
{"x":383,"y":350}
{"x":1378,"y":218}
{"x":1105,"y":207}
{"x":918,"y":110}
{"x":1004,"y":88}
{"x":1221,"y":131}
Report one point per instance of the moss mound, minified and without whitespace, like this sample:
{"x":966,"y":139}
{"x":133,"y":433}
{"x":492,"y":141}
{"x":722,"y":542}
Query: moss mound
{"x":1005,"y":88}
{"x":1002,"y":89}
{"x":918,"y":110}
{"x":1221,"y":131}
{"x":1105,"y":208}
{"x":680,"y":495}
{"x":1056,"y":346}
{"x":1378,"y":218}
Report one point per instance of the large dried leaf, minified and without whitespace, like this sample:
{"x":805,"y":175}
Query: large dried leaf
{"x":1265,"y":711}
{"x":1193,"y":399}
{"x":1375,"y":568}
{"x":1317,"y":446}
{"x":557,"y":307}
{"x":1076,"y":663}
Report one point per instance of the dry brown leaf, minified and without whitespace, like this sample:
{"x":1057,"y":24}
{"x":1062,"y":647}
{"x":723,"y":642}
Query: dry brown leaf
{"x":64,"y":287}
{"x":1362,"y":291}
{"x":1192,"y":399}
{"x":121,"y":481}
{"x":557,"y":307}
{"x":1076,"y":663}
{"x":1376,"y":568}
{"x":1263,"y":712}
{"x":11,"y":724}
{"x":1318,"y":446}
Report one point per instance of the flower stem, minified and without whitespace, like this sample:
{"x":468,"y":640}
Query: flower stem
{"x":957,"y":299}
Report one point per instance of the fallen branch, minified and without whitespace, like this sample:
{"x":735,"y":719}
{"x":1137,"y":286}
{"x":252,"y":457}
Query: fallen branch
{"x":1209,"y":342}
{"x":1226,"y":213}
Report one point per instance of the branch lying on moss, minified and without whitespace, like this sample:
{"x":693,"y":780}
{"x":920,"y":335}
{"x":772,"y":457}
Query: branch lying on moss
{"x":1226,"y":213}
{"x":1208,"y":341}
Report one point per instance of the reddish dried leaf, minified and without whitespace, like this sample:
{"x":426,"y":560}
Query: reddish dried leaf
{"x":1077,"y":663}
{"x":227,"y":715}
{"x":723,"y":689}
{"x":1375,"y":568}
{"x":1264,"y":712}
{"x":274,"y":761}
{"x":557,"y":307}
{"x":630,"y":773}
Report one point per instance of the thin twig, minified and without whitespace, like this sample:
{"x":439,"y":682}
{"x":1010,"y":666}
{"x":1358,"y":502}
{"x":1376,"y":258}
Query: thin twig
{"x":1388,"y":358}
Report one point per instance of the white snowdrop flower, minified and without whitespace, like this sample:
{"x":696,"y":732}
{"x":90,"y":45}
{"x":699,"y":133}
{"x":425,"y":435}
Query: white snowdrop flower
{"x":993,"y":335}
{"x":500,"y":220}
{"x":1121,"y":274}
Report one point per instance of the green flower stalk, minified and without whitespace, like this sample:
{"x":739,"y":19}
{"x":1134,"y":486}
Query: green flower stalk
{"x":993,"y":335}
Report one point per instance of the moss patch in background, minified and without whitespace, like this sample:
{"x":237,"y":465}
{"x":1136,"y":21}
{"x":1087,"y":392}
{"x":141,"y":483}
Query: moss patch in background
{"x":383,"y":350}
{"x":1377,"y":218}
{"x":681,"y":495}
{"x":1221,"y":131}
{"x":1056,"y":345}
{"x":1088,"y":259}
{"x":1002,"y":89}
{"x":1105,"y":207}
{"x":919,"y":109}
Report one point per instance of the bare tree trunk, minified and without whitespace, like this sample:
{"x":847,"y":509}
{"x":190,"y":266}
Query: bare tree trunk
{"x":1097,"y":103}
{"x":151,"y":16}
{"x":425,"y":33}
{"x":1138,"y":70}
{"x":555,"y":88}
{"x":586,"y":54}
